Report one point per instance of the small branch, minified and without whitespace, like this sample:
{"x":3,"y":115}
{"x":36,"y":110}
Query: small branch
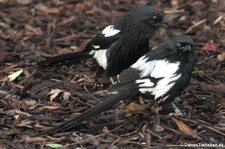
{"x":195,"y":25}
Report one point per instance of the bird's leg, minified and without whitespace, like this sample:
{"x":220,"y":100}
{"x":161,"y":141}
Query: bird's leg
{"x":112,"y":80}
{"x":98,"y":75}
{"x":157,"y":125}
{"x":155,"y":108}
{"x":177,"y":111}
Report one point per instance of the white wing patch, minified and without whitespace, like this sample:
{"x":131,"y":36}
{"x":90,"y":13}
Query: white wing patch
{"x":110,"y":31}
{"x":164,"y":68}
{"x":100,"y":56}
{"x":144,"y":83}
{"x":144,"y":67}
{"x":157,"y":69}
{"x":96,"y":46}
{"x":164,"y":85}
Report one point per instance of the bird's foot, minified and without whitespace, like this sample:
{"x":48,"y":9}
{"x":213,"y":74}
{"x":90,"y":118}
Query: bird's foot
{"x":157,"y":123}
{"x":177,"y":111}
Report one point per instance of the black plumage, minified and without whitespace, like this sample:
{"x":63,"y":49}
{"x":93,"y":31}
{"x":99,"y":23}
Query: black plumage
{"x":120,"y":45}
{"x":159,"y":75}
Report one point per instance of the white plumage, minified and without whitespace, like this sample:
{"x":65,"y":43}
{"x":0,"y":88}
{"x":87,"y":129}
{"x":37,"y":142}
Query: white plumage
{"x":110,"y":31}
{"x":164,"y":85}
{"x":143,"y":66}
{"x":163,"y":70}
{"x":100,"y":56}
{"x":96,"y":46}
{"x":145,"y":83}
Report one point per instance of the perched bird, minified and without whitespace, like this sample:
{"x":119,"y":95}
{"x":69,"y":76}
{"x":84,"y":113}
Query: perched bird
{"x":120,"y":45}
{"x":160,"y":75}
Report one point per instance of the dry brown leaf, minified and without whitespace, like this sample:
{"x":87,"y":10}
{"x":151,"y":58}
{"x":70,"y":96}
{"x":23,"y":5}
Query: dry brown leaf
{"x":105,"y":130}
{"x":1,"y":145}
{"x":23,"y":2}
{"x":185,"y":129}
{"x":133,"y":107}
{"x":38,"y":139}
{"x":55,"y":92}
{"x":4,"y":1}
{"x":66,"y":95}
{"x":219,"y":88}
{"x":218,"y":19}
{"x":39,"y":126}
{"x":30,"y":30}
{"x":50,"y":107}
{"x":83,"y":5}
{"x":67,"y":21}
{"x":25,"y":123}
{"x":221,"y":57}
{"x":21,"y":112}
{"x":45,"y":9}
{"x":174,"y":3}
{"x":28,"y":104}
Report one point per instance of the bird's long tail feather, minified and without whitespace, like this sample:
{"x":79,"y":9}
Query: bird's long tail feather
{"x":72,"y":57}
{"x":105,"y":105}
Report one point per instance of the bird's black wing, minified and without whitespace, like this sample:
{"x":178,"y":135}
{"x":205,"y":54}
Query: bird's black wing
{"x":105,"y":105}
{"x":101,"y":41}
{"x":132,"y":77}
{"x":145,"y":73}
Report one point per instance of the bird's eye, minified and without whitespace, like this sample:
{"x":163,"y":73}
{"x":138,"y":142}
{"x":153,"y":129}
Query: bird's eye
{"x":151,"y":21}
{"x":178,"y":44}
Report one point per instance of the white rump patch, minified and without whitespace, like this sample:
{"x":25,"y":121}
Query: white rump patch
{"x":110,"y":31}
{"x":100,"y":56}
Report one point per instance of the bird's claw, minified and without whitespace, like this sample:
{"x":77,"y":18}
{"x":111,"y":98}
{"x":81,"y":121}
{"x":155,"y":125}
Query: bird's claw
{"x":177,"y":111}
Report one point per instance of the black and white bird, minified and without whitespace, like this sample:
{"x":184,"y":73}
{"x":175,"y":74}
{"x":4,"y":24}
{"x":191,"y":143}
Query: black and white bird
{"x":160,"y":75}
{"x":120,"y":45}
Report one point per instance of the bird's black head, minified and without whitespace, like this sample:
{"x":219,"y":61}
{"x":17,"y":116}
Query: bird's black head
{"x":182,"y":47}
{"x":143,"y":21}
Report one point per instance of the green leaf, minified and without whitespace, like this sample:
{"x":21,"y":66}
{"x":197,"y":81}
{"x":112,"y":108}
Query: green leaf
{"x":14,"y":75}
{"x":54,"y":145}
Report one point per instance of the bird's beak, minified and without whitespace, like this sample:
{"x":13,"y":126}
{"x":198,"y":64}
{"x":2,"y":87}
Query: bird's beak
{"x":187,"y":48}
{"x":163,"y":24}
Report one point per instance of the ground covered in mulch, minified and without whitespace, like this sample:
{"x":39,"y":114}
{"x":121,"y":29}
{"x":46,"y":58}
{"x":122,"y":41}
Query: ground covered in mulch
{"x":31,"y":31}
